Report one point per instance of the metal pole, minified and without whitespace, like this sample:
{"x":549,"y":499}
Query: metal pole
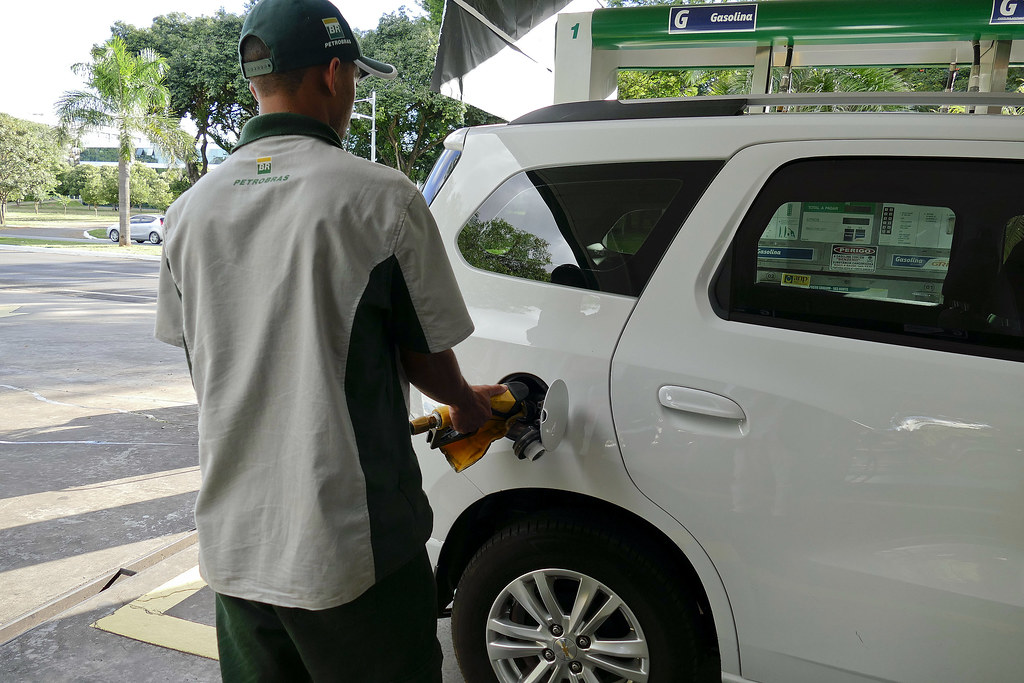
{"x":372,"y":99}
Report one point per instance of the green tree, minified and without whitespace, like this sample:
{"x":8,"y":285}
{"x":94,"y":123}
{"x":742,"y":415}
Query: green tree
{"x":434,"y":10}
{"x":177,"y":183}
{"x":203,"y":77}
{"x":63,"y":200}
{"x":141,"y":181}
{"x":99,"y":187}
{"x":30,"y":157}
{"x":412,"y":120}
{"x":126,"y":91}
{"x":74,"y":181}
{"x":500,"y":247}
{"x":643,"y":84}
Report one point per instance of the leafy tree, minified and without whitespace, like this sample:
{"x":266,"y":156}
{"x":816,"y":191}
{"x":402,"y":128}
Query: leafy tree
{"x":126,"y":91}
{"x":63,"y":200}
{"x":141,"y":184}
{"x":203,"y":77}
{"x":110,"y":182}
{"x":638,"y":85}
{"x":177,"y":183}
{"x":500,"y":247}
{"x":100,"y":187}
{"x":412,"y":120}
{"x":30,"y":157}
{"x":75,"y":179}
{"x":150,"y":188}
{"x":434,"y":10}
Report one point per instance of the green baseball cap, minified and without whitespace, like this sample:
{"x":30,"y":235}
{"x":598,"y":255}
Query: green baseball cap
{"x":303,"y":33}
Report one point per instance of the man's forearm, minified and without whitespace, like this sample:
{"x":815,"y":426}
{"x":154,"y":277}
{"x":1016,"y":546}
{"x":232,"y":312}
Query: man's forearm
{"x":437,"y":375}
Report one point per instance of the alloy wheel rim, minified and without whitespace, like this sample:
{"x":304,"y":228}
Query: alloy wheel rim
{"x":553,"y":625}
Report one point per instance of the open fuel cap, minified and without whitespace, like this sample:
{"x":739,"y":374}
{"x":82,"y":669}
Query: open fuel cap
{"x":555,"y":415}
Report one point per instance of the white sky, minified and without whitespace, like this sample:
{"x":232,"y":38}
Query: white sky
{"x":40,"y":42}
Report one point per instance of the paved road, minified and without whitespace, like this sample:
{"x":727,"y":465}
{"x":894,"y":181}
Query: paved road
{"x":59,"y":233}
{"x":97,"y":442}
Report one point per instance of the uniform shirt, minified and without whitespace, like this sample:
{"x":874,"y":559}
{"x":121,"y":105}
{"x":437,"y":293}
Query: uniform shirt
{"x":290,"y":275}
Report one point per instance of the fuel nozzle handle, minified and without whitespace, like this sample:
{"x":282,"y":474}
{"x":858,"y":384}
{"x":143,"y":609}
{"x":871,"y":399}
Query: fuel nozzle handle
{"x":424,"y":424}
{"x":462,"y":450}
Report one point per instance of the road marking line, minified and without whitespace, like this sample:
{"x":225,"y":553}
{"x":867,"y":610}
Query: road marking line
{"x":145,"y":620}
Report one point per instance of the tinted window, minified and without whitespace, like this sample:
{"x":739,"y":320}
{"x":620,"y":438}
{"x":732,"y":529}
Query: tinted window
{"x":909,"y":251}
{"x":443,"y":168}
{"x":601,"y":227}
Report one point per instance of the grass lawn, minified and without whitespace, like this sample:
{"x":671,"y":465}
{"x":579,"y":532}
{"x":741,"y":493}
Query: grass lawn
{"x":52,"y":213}
{"x":105,"y":246}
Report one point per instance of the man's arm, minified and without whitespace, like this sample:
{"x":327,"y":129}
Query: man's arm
{"x":438,"y":376}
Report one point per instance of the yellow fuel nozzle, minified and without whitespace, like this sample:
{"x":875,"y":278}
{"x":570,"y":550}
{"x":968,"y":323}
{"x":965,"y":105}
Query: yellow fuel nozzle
{"x":462,"y":450}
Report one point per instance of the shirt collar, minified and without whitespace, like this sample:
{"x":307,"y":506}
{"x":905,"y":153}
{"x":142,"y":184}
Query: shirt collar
{"x":268,"y":125}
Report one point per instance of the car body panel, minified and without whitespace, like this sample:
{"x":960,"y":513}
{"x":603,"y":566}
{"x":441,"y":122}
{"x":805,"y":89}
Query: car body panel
{"x":914,"y":538}
{"x":859,"y":469}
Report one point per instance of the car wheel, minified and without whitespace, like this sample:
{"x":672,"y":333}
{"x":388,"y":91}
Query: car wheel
{"x":559,"y":601}
{"x":115,"y":236}
{"x":154,"y":237}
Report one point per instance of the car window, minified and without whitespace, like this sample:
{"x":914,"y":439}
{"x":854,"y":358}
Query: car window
{"x":893,"y":249}
{"x":439,"y":174}
{"x":602,"y":227}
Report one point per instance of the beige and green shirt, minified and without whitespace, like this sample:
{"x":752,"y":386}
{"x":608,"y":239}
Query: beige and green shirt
{"x":291,"y":274}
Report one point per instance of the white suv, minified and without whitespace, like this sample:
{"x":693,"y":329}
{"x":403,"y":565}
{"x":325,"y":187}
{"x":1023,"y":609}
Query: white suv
{"x":793,"y":434}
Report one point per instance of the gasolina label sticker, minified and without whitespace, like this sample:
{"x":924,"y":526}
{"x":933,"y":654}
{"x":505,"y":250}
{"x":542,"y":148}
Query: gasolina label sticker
{"x":919,"y":262}
{"x":785,"y":253}
{"x":1007,"y":12}
{"x":849,"y":258}
{"x":712,"y":18}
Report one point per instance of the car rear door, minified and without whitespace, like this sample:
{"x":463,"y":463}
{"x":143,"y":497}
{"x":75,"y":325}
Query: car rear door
{"x":823,"y":382}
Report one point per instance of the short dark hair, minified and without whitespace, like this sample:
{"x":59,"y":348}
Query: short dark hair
{"x":287,"y":82}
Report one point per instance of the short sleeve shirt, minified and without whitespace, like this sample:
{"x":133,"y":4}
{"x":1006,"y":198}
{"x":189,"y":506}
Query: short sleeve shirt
{"x":291,"y":275}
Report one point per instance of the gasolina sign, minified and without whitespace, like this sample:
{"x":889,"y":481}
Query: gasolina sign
{"x":713,"y":18}
{"x":1007,"y":12}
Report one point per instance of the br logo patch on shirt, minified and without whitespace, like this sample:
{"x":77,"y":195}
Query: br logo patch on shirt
{"x":263,"y":168}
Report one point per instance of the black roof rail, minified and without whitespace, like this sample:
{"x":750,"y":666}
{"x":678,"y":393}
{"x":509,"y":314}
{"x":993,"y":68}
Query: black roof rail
{"x":614,"y":110}
{"x":684,"y":107}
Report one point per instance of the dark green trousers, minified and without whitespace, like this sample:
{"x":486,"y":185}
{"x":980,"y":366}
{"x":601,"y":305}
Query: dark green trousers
{"x":387,"y":635}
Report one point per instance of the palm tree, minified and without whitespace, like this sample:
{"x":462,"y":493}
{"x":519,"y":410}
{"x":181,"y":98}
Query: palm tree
{"x":126,"y":92}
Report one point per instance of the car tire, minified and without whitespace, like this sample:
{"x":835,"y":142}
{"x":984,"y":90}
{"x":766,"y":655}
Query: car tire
{"x":115,"y":235}
{"x":154,"y":237}
{"x":641,"y":598}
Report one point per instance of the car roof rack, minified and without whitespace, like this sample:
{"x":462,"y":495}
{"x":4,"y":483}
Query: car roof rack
{"x":687,"y":107}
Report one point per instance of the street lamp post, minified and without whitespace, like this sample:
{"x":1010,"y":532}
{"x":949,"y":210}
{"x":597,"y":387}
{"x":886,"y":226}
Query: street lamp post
{"x":372,"y":99}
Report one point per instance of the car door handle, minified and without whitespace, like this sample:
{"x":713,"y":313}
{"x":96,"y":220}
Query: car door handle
{"x":701,"y":402}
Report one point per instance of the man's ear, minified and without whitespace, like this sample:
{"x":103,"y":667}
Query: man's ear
{"x":253,"y":91}
{"x":331,"y":74}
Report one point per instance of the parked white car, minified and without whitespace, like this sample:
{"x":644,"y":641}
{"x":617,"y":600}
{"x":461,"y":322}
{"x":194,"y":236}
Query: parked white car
{"x":792,"y":346}
{"x":143,"y":227}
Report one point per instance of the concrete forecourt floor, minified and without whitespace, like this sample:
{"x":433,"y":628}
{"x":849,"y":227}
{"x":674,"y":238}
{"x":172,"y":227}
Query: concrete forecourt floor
{"x":98,"y":478}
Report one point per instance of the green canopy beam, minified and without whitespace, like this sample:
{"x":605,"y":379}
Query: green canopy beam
{"x":815,"y":22}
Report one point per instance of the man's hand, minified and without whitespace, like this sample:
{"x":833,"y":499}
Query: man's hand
{"x":471,"y":414}
{"x":438,"y":376}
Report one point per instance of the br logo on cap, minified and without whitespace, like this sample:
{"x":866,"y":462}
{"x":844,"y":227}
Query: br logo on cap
{"x":333,"y":28}
{"x":263,"y":166}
